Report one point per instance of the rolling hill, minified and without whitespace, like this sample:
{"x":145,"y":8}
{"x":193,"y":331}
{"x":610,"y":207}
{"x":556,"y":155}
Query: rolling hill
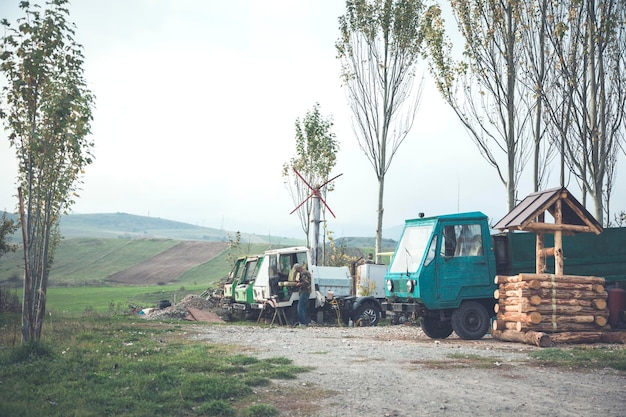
{"x":121,"y":248}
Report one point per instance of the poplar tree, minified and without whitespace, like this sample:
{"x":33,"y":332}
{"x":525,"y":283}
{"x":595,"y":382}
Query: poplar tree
{"x":380,"y":46}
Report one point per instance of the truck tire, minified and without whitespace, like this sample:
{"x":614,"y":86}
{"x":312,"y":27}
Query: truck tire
{"x":435,"y":328}
{"x":470,"y":321}
{"x":367,"y":314}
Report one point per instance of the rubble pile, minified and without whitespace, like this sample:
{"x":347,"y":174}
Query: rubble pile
{"x":192,"y":307}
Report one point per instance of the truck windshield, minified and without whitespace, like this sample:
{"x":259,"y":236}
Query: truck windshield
{"x":411,"y":248}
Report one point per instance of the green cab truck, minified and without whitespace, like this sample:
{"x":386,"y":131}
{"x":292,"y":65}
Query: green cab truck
{"x":238,"y":287}
{"x":443,"y":269}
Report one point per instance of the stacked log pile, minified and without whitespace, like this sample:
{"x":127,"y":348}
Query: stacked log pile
{"x":542,"y":309}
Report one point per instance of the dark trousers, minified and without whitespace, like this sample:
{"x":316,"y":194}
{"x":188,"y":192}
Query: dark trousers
{"x":303,"y":308}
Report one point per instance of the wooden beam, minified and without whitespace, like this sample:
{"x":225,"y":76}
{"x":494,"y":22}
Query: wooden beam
{"x":582,"y":216}
{"x":558,"y":240}
{"x":540,"y":264}
{"x":551,"y":228}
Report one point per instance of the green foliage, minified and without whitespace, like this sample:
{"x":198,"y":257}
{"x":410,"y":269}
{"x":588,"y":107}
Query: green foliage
{"x":7,"y":228}
{"x":260,"y":410}
{"x":9,"y":301}
{"x":218,"y":408}
{"x":47,"y":111}
{"x":125,"y":367}
{"x":337,"y":255}
{"x":234,"y":249}
{"x":316,"y":156}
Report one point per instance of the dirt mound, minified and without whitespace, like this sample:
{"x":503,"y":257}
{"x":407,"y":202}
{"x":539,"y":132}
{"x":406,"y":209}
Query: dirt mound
{"x":170,"y":264}
{"x":192,"y":307}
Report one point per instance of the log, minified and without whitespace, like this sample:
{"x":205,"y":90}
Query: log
{"x":555,"y":318}
{"x":562,"y":278}
{"x":576,"y":337}
{"x":597,"y":304}
{"x":613,"y":337}
{"x":534,"y":284}
{"x":597,"y":288}
{"x":530,"y":337}
{"x":554,"y":309}
{"x":601,"y":321}
{"x":505,"y":325}
{"x":533,"y":300}
{"x":546,"y":293}
{"x":532,"y":317}
{"x":561,"y":327}
{"x":568,"y":293}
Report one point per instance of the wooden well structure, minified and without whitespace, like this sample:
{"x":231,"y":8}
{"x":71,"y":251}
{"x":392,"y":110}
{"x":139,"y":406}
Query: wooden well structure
{"x":544,"y":308}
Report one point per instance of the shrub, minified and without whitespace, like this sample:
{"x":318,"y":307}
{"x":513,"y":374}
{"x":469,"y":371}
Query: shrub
{"x":9,"y":301}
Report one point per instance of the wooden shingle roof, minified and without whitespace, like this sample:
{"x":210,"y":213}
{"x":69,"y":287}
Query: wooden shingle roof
{"x":575,"y":217}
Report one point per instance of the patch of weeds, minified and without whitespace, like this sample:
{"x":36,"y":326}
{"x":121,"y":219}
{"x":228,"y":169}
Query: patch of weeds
{"x":582,"y":357}
{"x":256,"y":381}
{"x":218,"y":408}
{"x":280,"y":360}
{"x":260,"y":410}
{"x":28,"y":352}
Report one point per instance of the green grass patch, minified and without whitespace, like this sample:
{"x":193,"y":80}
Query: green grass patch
{"x":72,"y":301}
{"x":122,"y":366}
{"x":582,"y":357}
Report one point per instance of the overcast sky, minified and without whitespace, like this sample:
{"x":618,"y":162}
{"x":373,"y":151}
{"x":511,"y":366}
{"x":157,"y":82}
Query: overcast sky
{"x":196,"y":102}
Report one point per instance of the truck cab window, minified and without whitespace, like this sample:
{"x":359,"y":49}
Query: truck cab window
{"x":462,"y":240}
{"x":432,"y":250}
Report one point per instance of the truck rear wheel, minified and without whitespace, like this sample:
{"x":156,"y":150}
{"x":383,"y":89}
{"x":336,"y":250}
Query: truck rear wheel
{"x":367,"y":315}
{"x":435,"y":328}
{"x":470,"y":321}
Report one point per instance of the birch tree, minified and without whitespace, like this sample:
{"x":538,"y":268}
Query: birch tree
{"x":46,"y":108}
{"x":380,"y":46}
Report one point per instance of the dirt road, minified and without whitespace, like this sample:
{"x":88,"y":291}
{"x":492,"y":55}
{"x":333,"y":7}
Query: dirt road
{"x":398,"y":371}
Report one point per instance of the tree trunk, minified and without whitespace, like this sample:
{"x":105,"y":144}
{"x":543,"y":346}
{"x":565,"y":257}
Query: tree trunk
{"x":27,"y":306}
{"x":379,"y":222}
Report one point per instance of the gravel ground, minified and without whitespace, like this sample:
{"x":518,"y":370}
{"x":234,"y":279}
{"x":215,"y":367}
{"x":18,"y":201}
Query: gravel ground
{"x":398,"y":371}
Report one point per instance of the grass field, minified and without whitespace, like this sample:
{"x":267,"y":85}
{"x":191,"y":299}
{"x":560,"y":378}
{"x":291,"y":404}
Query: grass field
{"x":120,"y":366}
{"x":74,"y":301}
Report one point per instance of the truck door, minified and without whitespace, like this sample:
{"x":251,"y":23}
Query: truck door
{"x":462,"y":267}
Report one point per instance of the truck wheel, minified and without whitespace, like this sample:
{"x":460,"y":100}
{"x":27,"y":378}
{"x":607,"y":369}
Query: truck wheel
{"x":470,"y":321}
{"x":367,"y":315}
{"x":435,"y":328}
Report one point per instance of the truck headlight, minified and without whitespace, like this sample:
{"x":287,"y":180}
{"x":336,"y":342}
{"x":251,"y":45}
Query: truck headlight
{"x":410,"y":285}
{"x":390,"y":285}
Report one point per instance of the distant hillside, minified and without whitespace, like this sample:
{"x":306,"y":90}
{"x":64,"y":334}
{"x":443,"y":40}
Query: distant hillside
{"x":100,"y":249}
{"x":131,"y":226}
